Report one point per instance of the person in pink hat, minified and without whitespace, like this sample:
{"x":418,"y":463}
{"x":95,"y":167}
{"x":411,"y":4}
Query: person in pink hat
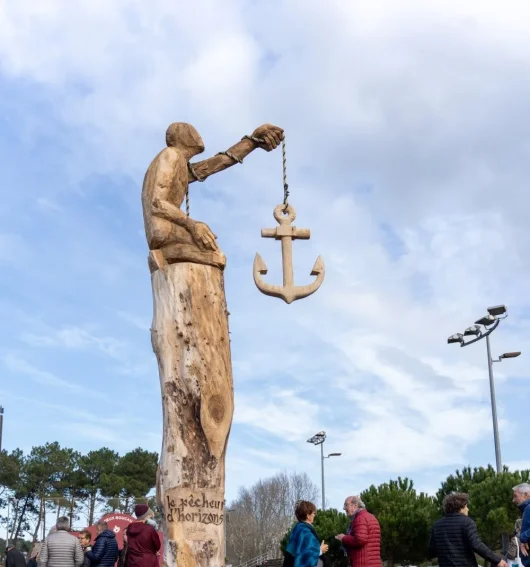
{"x":143,"y":543}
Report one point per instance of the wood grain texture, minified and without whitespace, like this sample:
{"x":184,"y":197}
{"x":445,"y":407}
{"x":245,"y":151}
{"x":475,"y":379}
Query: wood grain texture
{"x":191,"y":342}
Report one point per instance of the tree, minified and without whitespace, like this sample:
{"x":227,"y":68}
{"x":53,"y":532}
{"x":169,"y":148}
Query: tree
{"x":261,"y":514}
{"x":406,"y":518}
{"x":134,"y":476}
{"x":327,"y":524}
{"x":96,"y":467}
{"x":47,"y":468}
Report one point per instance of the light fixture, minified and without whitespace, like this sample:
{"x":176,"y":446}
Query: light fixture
{"x":318,"y":438}
{"x":510,"y":355}
{"x":473,"y":331}
{"x":334,"y":455}
{"x":497,"y":310}
{"x":456,"y":338}
{"x":487,"y":320}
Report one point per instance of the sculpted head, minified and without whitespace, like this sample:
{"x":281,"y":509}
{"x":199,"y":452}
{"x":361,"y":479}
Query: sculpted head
{"x":185,"y":138}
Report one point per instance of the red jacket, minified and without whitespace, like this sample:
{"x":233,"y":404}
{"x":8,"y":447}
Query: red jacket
{"x":143,"y":544}
{"x":364,"y":543}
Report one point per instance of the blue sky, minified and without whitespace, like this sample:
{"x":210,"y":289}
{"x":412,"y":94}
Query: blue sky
{"x":407,"y":140}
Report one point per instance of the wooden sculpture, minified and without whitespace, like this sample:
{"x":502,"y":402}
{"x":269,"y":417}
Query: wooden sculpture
{"x":191,"y":342}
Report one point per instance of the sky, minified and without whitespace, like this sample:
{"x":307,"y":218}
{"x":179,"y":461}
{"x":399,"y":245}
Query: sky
{"x":408,"y":145}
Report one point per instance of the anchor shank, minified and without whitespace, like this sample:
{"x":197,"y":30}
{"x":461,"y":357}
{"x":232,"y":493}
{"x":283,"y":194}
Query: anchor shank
{"x":287,"y":261}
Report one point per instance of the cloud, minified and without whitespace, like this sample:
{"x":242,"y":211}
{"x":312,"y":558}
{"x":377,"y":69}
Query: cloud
{"x":137,"y":321}
{"x":407,"y":149}
{"x":77,"y":338}
{"x":18,"y":365}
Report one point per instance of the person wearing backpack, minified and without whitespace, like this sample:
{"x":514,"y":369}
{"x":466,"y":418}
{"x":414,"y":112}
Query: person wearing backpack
{"x":305,"y":548}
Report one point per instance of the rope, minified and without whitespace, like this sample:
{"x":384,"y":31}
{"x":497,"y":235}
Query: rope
{"x":198,"y":178}
{"x":231,"y":156}
{"x":239,"y":160}
{"x":284,"y":165}
{"x":285,"y":184}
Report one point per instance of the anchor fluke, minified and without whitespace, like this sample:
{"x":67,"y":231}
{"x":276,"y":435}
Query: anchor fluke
{"x":259,"y":265}
{"x":318,"y":268}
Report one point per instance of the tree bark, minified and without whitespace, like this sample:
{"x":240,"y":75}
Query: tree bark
{"x":41,"y":512}
{"x":91,"y":507}
{"x":192,"y":345}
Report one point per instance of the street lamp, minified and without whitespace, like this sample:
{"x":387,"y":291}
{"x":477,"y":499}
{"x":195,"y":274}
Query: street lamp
{"x":1,"y":426}
{"x":318,"y":439}
{"x":491,"y":322}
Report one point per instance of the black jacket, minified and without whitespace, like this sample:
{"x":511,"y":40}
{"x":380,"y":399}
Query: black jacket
{"x":104,"y":551}
{"x":14,"y":558}
{"x":455,"y":540}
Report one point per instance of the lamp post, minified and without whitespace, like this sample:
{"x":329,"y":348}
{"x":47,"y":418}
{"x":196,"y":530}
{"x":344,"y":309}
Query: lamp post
{"x":318,"y":439}
{"x":490,"y":322}
{"x":225,"y":520}
{"x":1,"y":425}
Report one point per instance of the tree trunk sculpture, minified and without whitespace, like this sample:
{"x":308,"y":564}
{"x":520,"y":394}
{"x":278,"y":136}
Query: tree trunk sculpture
{"x":192,"y":345}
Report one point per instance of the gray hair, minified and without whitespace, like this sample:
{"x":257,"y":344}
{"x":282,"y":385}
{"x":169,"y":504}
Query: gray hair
{"x":523,"y":488}
{"x":63,"y":523}
{"x":357,"y":501}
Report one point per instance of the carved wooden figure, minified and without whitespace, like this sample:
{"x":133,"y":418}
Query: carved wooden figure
{"x":285,"y":215}
{"x":191,"y":342}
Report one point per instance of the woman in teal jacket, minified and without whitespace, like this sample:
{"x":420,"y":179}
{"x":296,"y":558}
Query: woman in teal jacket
{"x":304,"y":548}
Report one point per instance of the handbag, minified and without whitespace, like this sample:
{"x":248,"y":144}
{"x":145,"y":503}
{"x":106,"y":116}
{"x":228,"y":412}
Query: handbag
{"x":517,"y":561}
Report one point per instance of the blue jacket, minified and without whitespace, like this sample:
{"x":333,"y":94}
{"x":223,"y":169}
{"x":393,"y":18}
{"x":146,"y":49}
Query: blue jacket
{"x":525,"y":528}
{"x":304,"y":545}
{"x":104,"y":552}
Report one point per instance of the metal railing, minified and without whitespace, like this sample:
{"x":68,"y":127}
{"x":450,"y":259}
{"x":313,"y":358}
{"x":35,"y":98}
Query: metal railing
{"x":260,"y":559}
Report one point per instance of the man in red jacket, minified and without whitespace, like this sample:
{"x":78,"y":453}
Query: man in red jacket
{"x":362,"y":541}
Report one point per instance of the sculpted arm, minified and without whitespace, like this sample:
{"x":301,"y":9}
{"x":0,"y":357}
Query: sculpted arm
{"x":271,"y":136}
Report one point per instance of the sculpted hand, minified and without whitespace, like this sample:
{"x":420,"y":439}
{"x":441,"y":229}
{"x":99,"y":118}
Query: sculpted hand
{"x":203,"y":236}
{"x":323,"y":547}
{"x":272,"y":136}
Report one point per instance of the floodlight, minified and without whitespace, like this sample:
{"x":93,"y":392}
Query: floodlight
{"x":473,"y":331}
{"x":510,"y":355}
{"x":334,"y":455}
{"x":457,"y":338}
{"x":487,"y":320}
{"x":318,"y":438}
{"x":497,"y":310}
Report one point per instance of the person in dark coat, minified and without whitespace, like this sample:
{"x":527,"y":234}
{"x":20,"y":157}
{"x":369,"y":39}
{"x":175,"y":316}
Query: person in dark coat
{"x":143,"y":543}
{"x":521,"y":497}
{"x":454,"y":538}
{"x":14,"y":557}
{"x":104,"y":552}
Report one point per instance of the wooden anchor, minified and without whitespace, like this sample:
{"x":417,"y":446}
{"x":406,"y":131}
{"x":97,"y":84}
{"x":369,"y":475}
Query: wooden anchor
{"x":285,"y":215}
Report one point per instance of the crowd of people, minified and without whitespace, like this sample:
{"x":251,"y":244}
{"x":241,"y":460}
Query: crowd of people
{"x":141,"y":546}
{"x":454,"y":539}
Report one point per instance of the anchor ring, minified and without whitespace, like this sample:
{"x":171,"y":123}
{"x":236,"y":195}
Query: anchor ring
{"x":284,"y":215}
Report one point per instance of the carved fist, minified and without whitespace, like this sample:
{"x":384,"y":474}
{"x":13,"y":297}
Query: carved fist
{"x":203,"y":236}
{"x":272,"y":136}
